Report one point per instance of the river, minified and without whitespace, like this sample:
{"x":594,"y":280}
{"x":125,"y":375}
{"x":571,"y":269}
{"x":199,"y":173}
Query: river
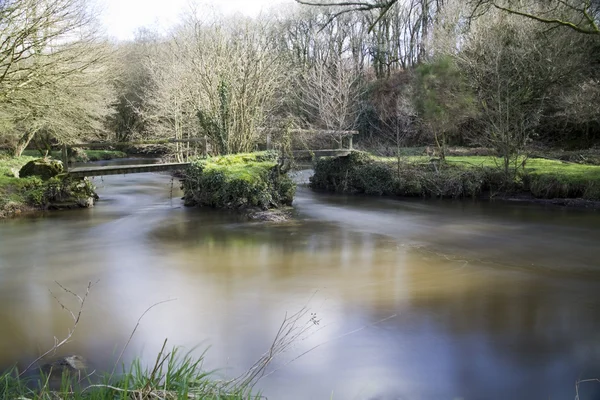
{"x":404,"y":299}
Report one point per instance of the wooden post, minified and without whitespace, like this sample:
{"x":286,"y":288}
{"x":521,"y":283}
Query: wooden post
{"x":205,"y":149}
{"x":65,"y":158}
{"x":268,"y":141}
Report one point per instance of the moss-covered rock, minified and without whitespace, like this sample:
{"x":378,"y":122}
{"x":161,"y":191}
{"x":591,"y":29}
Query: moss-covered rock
{"x":45,"y":168}
{"x":68,"y":192}
{"x":60,"y":192}
{"x":238,"y":181}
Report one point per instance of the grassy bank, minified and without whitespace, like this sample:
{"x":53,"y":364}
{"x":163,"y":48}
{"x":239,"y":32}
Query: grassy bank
{"x":460,"y":176}
{"x":171,"y":377}
{"x":18,"y":195}
{"x":238,"y":181}
{"x":80,"y":155}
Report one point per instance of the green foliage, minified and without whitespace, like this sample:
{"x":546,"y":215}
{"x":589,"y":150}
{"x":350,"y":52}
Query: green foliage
{"x":442,"y":98}
{"x":238,"y":181}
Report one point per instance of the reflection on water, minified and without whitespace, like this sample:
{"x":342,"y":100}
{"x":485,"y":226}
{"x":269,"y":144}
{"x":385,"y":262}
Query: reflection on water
{"x":491,"y":301}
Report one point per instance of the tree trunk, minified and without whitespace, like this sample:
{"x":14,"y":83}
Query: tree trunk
{"x":424,"y":30}
{"x":23,"y":143}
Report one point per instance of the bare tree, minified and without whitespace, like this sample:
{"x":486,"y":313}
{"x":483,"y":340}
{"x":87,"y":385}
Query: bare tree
{"x":516,"y":69}
{"x":68,"y":109}
{"x":331,"y":95}
{"x":217,"y":79}
{"x":36,"y":37}
{"x":401,"y":29}
{"x":383,"y":7}
{"x":582,"y":16}
{"x":50,"y":69}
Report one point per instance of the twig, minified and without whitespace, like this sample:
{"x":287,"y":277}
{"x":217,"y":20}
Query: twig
{"x":583,"y":381}
{"x":331,"y":340}
{"x":76,"y":317}
{"x":289,"y":331}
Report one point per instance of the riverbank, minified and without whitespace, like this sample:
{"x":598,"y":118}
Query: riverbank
{"x":20,"y":195}
{"x":541,"y":180}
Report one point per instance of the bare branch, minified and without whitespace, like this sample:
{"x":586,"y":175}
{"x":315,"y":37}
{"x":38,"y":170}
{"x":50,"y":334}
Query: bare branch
{"x":76,"y":317}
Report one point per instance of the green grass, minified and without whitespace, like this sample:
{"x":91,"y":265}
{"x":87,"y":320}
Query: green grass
{"x":534,"y":166}
{"x":7,"y":163}
{"x":171,"y":377}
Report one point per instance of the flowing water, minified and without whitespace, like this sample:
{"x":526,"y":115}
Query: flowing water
{"x":404,"y":299}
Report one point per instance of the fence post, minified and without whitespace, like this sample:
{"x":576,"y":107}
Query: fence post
{"x":268,"y":141}
{"x":65,"y":158}
{"x":205,"y":149}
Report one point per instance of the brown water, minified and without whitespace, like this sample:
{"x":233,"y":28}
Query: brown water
{"x":490,"y":300}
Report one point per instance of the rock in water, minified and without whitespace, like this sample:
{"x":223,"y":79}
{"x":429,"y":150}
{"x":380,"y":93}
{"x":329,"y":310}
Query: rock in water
{"x":73,"y":366}
{"x":273,"y":215}
{"x":45,"y":168}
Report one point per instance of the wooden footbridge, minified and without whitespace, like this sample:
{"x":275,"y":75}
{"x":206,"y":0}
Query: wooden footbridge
{"x":89,"y":171}
{"x":81,"y":172}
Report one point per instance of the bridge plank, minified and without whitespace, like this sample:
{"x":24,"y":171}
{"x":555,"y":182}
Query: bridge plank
{"x":124,"y":169}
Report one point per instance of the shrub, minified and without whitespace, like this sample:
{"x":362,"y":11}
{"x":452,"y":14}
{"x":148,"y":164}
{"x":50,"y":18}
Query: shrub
{"x":360,"y":173}
{"x":350,"y":174}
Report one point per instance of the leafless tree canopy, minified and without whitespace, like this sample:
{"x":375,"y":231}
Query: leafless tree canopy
{"x":324,"y":65}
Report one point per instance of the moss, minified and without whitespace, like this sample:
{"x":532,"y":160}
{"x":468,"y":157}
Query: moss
{"x":45,"y":168}
{"x":238,"y":181}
